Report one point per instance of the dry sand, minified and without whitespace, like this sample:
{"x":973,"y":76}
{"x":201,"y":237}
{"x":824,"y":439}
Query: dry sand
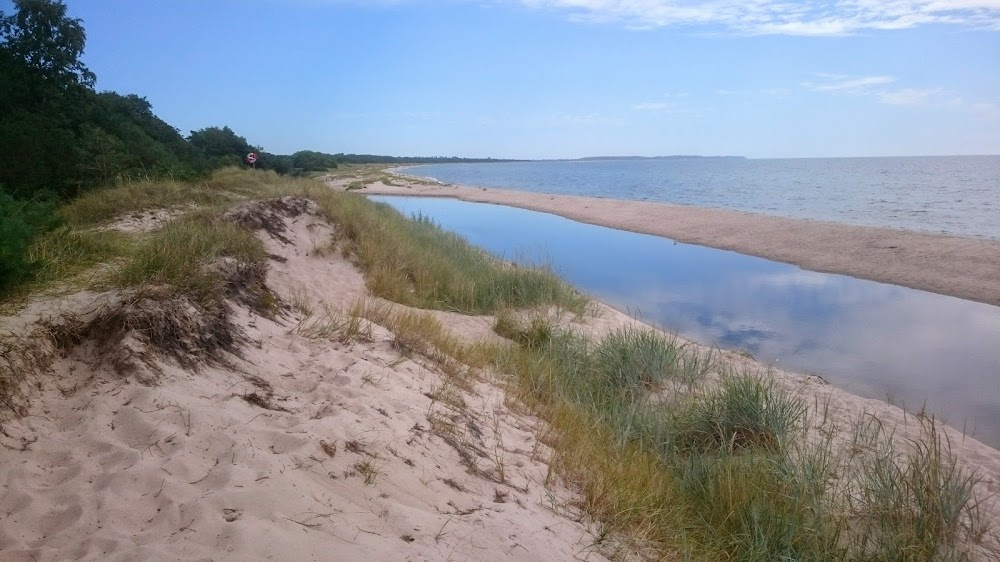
{"x":266,"y":458}
{"x":104,"y":467}
{"x":967,"y":268}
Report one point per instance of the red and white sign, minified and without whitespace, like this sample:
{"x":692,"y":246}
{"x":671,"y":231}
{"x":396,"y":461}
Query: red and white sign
{"x":251,"y":158}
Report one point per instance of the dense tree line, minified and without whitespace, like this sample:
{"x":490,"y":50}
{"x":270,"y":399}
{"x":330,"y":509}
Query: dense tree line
{"x":59,"y":137}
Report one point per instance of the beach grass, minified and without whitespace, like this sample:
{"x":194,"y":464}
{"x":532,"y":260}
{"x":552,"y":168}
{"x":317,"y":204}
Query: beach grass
{"x":412,"y":262}
{"x":724,"y":466}
{"x":416,"y":263}
{"x":177,"y":255}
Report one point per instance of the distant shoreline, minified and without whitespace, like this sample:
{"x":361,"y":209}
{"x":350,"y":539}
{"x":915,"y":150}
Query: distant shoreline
{"x":966,"y":268}
{"x":949,"y":196}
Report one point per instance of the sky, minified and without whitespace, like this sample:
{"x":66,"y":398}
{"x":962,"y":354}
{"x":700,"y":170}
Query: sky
{"x":563,"y":78}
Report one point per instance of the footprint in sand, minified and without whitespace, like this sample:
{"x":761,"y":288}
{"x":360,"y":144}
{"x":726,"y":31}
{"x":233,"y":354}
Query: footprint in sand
{"x":55,"y":522}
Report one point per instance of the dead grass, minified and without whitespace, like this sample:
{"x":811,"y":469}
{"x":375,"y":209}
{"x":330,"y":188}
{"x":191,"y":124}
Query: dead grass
{"x":344,"y":325}
{"x":23,"y":358}
{"x":174,"y":283}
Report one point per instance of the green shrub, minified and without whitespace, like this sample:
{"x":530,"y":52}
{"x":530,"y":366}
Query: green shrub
{"x":22,"y":222}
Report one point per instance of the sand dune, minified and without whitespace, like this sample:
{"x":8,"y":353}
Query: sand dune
{"x":303,"y":449}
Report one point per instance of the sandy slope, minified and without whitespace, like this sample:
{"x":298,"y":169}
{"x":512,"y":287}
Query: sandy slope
{"x":193,"y":467}
{"x":104,"y":467}
{"x":963,"y":267}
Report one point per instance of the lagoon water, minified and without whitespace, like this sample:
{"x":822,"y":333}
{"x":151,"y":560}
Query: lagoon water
{"x":957,"y":195}
{"x":870,"y":338}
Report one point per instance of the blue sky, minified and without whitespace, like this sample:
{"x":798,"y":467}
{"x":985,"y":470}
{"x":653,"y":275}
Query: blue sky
{"x":564,"y":78}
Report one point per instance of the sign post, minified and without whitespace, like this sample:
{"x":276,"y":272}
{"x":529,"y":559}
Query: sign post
{"x":251,"y":159}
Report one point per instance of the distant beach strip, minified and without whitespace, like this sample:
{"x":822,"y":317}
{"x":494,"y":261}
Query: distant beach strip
{"x":962,"y":267}
{"x":956,"y":195}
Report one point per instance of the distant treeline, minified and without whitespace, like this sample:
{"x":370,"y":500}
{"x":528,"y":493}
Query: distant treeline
{"x":59,"y":137}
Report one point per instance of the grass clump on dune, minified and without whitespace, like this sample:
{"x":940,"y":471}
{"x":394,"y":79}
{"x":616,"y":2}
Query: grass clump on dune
{"x":177,"y":255}
{"x":412,"y":262}
{"x":70,"y":254}
{"x":742,"y":412}
{"x":103,"y":205}
{"x":223,"y":187}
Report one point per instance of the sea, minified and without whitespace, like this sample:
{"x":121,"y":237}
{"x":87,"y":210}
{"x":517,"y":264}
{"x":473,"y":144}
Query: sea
{"x":955,"y":195}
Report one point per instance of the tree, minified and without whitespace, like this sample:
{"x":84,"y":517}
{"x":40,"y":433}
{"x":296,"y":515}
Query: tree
{"x":311,"y":161}
{"x":280,"y":163}
{"x":220,"y":143}
{"x":45,"y":89}
{"x":48,"y":44}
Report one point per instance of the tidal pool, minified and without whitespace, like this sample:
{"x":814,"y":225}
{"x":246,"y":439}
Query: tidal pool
{"x":877,"y":340}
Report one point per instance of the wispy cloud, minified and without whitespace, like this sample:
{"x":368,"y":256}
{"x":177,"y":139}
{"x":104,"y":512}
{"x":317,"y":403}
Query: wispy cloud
{"x":875,"y":87}
{"x":782,"y":17}
{"x":987,"y":110}
{"x":913,"y":97}
{"x":837,"y":83}
{"x":653,"y":106}
{"x":770,"y":92}
{"x":587,"y":119}
{"x":668,"y":106}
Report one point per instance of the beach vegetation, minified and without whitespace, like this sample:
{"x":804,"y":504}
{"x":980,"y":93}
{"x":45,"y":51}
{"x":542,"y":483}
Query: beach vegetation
{"x":724,"y":465}
{"x":416,"y":263}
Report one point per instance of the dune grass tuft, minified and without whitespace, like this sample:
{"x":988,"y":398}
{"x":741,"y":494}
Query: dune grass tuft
{"x":745,"y":411}
{"x":177,"y":255}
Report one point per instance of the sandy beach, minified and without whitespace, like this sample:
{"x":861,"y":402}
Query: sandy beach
{"x":967,"y":268}
{"x":306,"y":446}
{"x":240,"y":321}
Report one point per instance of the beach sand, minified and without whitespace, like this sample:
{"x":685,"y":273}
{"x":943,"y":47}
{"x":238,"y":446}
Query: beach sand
{"x":967,"y":268}
{"x":303,"y":448}
{"x":308,"y":448}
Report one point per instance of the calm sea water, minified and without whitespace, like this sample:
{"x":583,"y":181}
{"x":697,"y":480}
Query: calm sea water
{"x":873,"y":339}
{"x":957,"y":195}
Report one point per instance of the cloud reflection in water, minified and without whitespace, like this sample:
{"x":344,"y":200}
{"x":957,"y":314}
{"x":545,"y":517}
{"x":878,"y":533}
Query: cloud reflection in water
{"x":871,"y":338}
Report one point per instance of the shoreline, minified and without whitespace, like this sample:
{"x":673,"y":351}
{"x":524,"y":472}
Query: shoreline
{"x":965,"y":268}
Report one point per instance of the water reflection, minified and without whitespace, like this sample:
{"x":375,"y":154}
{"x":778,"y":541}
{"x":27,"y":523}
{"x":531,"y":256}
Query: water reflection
{"x":873,"y":339}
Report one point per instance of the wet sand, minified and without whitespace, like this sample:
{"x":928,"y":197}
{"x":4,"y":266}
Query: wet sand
{"x":967,"y":268}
